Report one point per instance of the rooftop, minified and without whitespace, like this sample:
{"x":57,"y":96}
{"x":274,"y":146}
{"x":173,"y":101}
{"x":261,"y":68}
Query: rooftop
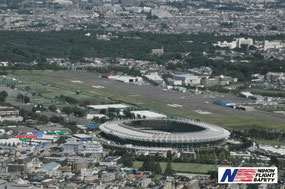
{"x":106,"y":106}
{"x":50,"y":166}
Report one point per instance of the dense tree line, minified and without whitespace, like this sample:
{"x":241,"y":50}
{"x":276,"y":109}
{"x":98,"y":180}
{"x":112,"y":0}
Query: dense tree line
{"x":68,"y":99}
{"x":23,"y":98}
{"x":149,"y":164}
{"x":258,"y":133}
{"x":30,"y":46}
{"x":76,"y":111}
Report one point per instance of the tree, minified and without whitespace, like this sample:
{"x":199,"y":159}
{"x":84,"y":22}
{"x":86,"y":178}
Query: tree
{"x":4,"y":93}
{"x":86,"y":103}
{"x":26,"y":99}
{"x":168,"y":171}
{"x":102,"y":111}
{"x":52,"y":108}
{"x":78,"y":112}
{"x":126,"y":161}
{"x":57,"y":119}
{"x":157,"y":168}
{"x":169,"y":155}
{"x":20,"y":97}
{"x":213,"y":174}
{"x":61,"y":140}
{"x":43,"y":118}
{"x":67,"y":110}
{"x":3,"y":96}
{"x":148,"y":164}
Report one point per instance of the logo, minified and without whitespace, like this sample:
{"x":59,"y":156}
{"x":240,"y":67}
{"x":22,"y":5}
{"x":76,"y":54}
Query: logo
{"x":247,"y":175}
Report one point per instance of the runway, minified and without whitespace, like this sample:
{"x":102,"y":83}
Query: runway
{"x":148,"y":94}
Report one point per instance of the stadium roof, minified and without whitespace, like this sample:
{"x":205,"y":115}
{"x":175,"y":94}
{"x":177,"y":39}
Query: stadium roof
{"x":211,"y":133}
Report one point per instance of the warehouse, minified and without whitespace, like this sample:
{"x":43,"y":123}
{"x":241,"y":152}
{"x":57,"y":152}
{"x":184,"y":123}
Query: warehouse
{"x":126,"y":79}
{"x":226,"y":103}
{"x":154,"y":78}
{"x":246,"y":94}
{"x":188,"y":79}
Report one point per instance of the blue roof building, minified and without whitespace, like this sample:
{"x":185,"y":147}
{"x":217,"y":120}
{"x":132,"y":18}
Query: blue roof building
{"x":50,"y":166}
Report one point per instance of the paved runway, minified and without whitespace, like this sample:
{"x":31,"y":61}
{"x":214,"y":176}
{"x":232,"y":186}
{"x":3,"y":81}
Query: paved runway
{"x":148,"y":94}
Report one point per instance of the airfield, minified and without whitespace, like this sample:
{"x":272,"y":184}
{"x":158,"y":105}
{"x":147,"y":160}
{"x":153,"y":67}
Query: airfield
{"x":189,"y":105}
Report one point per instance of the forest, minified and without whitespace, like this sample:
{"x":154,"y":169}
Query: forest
{"x":29,"y":46}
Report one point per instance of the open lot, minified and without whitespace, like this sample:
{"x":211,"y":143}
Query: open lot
{"x":184,"y":167}
{"x":152,"y":97}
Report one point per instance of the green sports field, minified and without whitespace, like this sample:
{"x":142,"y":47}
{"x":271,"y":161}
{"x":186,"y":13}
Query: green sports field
{"x":184,"y":167}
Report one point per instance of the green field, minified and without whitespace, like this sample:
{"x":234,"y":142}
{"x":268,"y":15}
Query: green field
{"x":66,"y":86}
{"x":268,"y":92}
{"x":46,"y":92}
{"x":184,"y":167}
{"x":270,"y":142}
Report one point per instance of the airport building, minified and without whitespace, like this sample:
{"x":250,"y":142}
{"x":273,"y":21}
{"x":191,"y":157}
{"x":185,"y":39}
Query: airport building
{"x":127,"y":79}
{"x":188,"y":79}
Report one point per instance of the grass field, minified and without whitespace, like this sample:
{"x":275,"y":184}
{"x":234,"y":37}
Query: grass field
{"x":48,"y":92}
{"x":231,"y":121}
{"x":98,"y":94}
{"x":184,"y":167}
{"x":267,"y":92}
{"x":270,"y":142}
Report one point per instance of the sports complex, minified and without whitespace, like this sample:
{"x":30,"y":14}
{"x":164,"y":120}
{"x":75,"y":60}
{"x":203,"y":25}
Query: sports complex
{"x":165,"y":132}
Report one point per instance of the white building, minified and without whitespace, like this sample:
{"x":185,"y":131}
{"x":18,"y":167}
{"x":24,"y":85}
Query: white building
{"x":246,"y":94}
{"x":126,"y":79}
{"x":154,"y":78}
{"x":72,"y":146}
{"x":188,"y":79}
{"x":107,"y":106}
{"x":148,"y":114}
{"x":2,"y":132}
{"x":243,"y":41}
{"x":10,"y":141}
{"x":92,"y":148}
{"x":225,"y":44}
{"x":108,"y":177}
{"x":91,"y":116}
{"x":234,"y":44}
{"x":175,"y":82}
{"x":273,"y":44}
{"x":274,"y":76}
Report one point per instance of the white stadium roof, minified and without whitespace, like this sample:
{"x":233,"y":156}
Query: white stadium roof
{"x":211,"y":133}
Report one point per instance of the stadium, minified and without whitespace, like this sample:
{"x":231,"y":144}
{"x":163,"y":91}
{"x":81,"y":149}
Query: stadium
{"x":170,"y":133}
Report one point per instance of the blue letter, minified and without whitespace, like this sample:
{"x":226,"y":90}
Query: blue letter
{"x":229,"y":174}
